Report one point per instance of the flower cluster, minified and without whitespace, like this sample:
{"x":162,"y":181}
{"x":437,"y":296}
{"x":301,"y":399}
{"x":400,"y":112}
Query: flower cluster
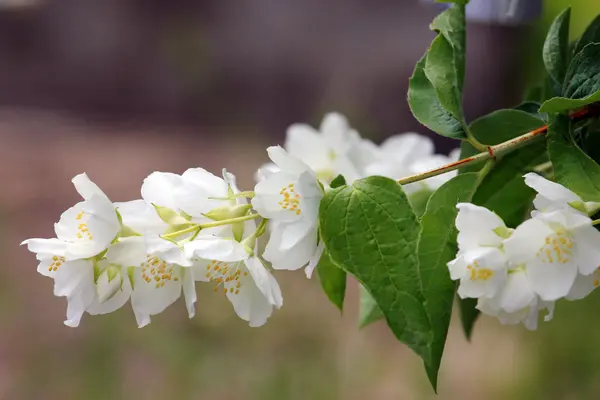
{"x":199,"y":227}
{"x":517,"y":273}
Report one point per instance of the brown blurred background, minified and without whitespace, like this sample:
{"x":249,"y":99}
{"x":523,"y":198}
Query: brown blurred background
{"x":120,"y":88}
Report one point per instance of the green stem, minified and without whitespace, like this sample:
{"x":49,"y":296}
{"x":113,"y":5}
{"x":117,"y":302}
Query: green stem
{"x":596,"y":222}
{"x":542,"y":168}
{"x":199,"y":227}
{"x":229,"y":221}
{"x":484,"y":171}
{"x":492,"y":152}
{"x":247,"y":194}
{"x":181,"y":232}
{"x":474,"y":142}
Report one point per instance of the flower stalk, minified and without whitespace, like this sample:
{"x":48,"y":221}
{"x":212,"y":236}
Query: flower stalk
{"x":493,"y":152}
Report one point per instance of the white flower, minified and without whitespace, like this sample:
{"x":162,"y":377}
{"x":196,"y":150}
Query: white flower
{"x":332,"y":150}
{"x":553,"y":196}
{"x":200,"y":195}
{"x":95,"y":286}
{"x":516,"y":302}
{"x":480,"y":264}
{"x":290,"y":198}
{"x":407,"y":154}
{"x":584,"y":285}
{"x":158,"y":269}
{"x":239,"y":273}
{"x":555,"y":247}
{"x":84,"y":230}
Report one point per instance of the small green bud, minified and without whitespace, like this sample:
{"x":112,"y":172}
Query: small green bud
{"x":112,"y":272}
{"x":228,"y":212}
{"x":579,"y":206}
{"x":503,"y":232}
{"x":171,"y":217}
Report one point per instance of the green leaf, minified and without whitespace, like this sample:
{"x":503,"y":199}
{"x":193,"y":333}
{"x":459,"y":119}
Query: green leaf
{"x":582,"y":83}
{"x":451,"y":25}
{"x":370,"y":230}
{"x":445,"y":59}
{"x":503,"y":189}
{"x":572,"y":167}
{"x":368,"y":312}
{"x":532,"y":108}
{"x":502,"y":125}
{"x":418,"y":201}
{"x":426,"y":108}
{"x":437,"y":246}
{"x":442,"y":73}
{"x":590,"y":35}
{"x":468,"y":315}
{"x":556,"y":47}
{"x":333,"y":280}
{"x":338,"y":181}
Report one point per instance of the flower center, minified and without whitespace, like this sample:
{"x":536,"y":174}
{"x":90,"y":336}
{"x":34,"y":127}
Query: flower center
{"x":56,"y":262}
{"x":290,"y":199}
{"x":82,"y":228}
{"x":556,"y":249}
{"x":479,"y":274}
{"x":155,"y":270}
{"x":226,"y":275}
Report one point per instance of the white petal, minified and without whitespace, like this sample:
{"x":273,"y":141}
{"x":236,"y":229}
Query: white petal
{"x":286,"y":162}
{"x":111,"y":295}
{"x":485,"y":273}
{"x":268,"y":196}
{"x":335,"y":128}
{"x":159,"y":188}
{"x":266,"y":171}
{"x":77,"y":303}
{"x":166,"y":251}
{"x":216,"y":248}
{"x":517,"y":292}
{"x":587,"y":249}
{"x":551,"y":195}
{"x":250,"y":304}
{"x":454,"y":155}
{"x":476,"y":226}
{"x":141,"y":217}
{"x":551,"y":280}
{"x":432,"y":162}
{"x":265,"y":281}
{"x":86,"y":188}
{"x":306,"y":144}
{"x":199,"y":188}
{"x":407,"y":148}
{"x":457,"y":267}
{"x":189,"y":290}
{"x":72,"y":276}
{"x":583,"y":286}
{"x":565,"y":218}
{"x":47,"y":246}
{"x":147,"y":299}
{"x":314,"y":260}
{"x":526,"y":241}
{"x":127,"y":252}
{"x":294,"y":257}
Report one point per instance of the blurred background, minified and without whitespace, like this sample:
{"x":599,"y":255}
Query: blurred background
{"x":121,"y":88}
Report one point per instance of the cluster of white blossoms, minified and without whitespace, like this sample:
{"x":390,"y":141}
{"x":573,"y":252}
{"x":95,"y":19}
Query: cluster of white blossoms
{"x":199,"y":227}
{"x":517,"y":273}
